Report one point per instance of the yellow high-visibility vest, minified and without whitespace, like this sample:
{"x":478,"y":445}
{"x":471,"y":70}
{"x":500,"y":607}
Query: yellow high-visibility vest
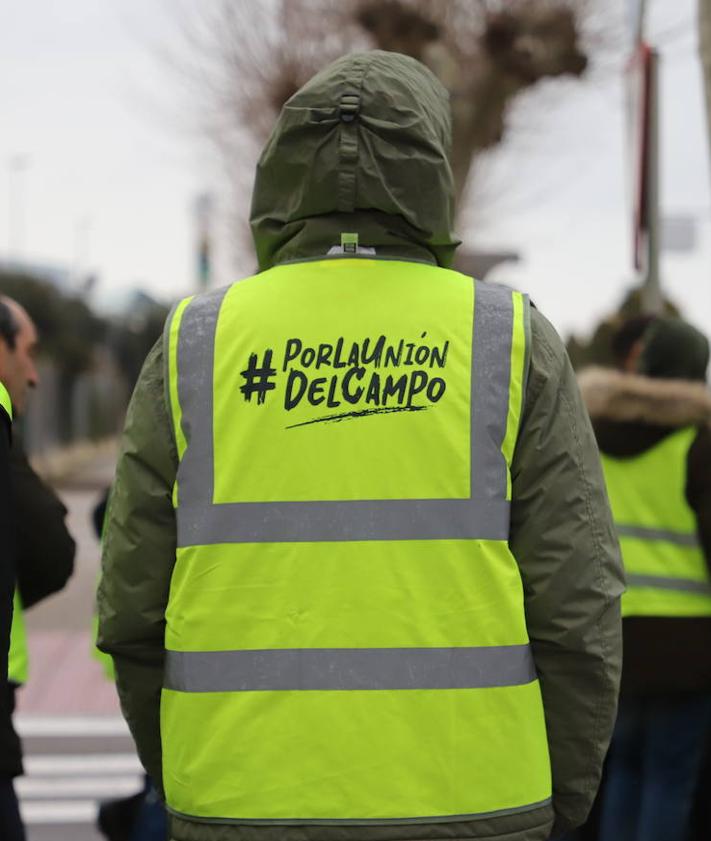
{"x":5,"y":401}
{"x":345,"y":632}
{"x":18,"y":658}
{"x":667,"y":573}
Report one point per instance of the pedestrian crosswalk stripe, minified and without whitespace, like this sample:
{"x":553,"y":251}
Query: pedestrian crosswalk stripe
{"x":70,"y":725}
{"x":88,"y":763}
{"x":62,"y":789}
{"x":39,"y":788}
{"x":52,"y":812}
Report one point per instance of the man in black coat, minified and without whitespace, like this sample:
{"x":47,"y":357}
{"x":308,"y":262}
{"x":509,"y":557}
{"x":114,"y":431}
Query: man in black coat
{"x":7,"y":559}
{"x":44,"y":549}
{"x":7,"y":586}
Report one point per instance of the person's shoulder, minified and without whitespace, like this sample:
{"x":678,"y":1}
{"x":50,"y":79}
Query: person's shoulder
{"x":548,"y":356}
{"x":152,"y":371}
{"x":544,"y":334}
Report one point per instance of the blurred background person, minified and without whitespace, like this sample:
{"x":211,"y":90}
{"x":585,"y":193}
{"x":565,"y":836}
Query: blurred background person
{"x":140,"y":816}
{"x":44,"y":547}
{"x":628,"y":342}
{"x":625,"y":346}
{"x":653,"y":430}
{"x":9,"y":814}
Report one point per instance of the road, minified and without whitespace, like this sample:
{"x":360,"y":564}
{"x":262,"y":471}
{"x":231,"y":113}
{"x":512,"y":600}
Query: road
{"x":71,"y":764}
{"x":77,"y":747}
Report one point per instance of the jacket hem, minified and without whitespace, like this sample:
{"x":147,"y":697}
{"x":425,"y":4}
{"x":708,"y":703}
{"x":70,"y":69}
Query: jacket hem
{"x":438,"y":819}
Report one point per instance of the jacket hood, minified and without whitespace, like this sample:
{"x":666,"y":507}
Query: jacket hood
{"x":674,"y":350}
{"x":360,"y":148}
{"x":631,"y":398}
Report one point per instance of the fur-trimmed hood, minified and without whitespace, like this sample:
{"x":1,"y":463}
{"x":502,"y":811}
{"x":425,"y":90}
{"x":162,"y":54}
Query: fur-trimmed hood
{"x":615,"y":396}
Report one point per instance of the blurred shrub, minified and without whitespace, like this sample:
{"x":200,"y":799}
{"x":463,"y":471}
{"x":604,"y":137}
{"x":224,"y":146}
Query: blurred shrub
{"x":89,"y":363}
{"x":69,"y":330}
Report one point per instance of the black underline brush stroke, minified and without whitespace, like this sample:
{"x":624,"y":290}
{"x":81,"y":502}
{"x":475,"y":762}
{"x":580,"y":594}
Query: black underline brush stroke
{"x":361,"y":414}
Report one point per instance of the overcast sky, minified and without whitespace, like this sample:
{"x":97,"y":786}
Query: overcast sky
{"x":107,"y":177}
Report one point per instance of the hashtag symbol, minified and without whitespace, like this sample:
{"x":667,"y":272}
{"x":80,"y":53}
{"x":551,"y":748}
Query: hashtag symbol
{"x":258,"y":380}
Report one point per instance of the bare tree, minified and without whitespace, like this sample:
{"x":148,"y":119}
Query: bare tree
{"x":250,"y":56}
{"x":485,"y":54}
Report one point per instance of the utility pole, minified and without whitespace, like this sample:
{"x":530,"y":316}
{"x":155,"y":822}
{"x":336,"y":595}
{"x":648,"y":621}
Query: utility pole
{"x":639,"y":23}
{"x":704,"y":21}
{"x":652,"y":289}
{"x":647,"y":59}
{"x":17,"y":167}
{"x":204,"y":209}
{"x":82,"y":238}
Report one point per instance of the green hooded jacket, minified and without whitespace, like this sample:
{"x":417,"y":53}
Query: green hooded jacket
{"x":363,"y":147}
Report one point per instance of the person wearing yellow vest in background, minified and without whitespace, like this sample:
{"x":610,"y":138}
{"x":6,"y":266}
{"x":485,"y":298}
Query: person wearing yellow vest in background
{"x":653,"y":428}
{"x":359,"y":573}
{"x":8,"y":802}
{"x":44,"y":550}
{"x":7,"y":559}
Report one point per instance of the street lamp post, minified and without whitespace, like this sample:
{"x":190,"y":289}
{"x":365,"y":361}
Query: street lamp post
{"x":704,"y":21}
{"x":204,"y":209}
{"x":17,"y":167}
{"x":652,"y":290}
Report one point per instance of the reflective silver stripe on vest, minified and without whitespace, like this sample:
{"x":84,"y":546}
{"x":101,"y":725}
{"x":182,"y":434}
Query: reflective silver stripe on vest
{"x":665,"y":535}
{"x":195,"y":358}
{"x":313,"y":522}
{"x":484,"y":516}
{"x":491,"y":372}
{"x":662,"y":582}
{"x":325,"y":669}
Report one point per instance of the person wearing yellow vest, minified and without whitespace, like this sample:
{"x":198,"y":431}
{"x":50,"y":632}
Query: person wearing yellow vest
{"x":359,"y":574}
{"x":8,"y":802}
{"x":7,"y":567}
{"x":654,"y":431}
{"x":44,"y":550}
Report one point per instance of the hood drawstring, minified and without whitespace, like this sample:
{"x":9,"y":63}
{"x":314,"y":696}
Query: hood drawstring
{"x":348,"y":150}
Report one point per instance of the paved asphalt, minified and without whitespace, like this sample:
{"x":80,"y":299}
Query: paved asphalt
{"x":72,"y":764}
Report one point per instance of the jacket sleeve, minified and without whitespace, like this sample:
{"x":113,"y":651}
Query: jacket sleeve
{"x":137,"y":561}
{"x":44,"y":547}
{"x":698,"y":487}
{"x":562,"y":537}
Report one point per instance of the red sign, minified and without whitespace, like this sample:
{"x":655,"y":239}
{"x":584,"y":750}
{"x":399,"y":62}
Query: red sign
{"x":639,"y":81}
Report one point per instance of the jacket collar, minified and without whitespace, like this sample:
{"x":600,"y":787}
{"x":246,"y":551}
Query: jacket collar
{"x":616,"y":396}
